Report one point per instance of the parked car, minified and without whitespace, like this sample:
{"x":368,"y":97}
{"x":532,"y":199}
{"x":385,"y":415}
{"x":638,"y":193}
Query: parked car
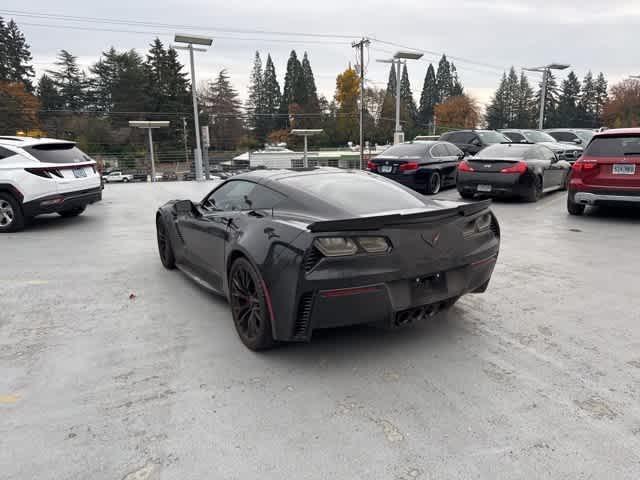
{"x":44,"y":175}
{"x":608,"y":172}
{"x":571,"y":136}
{"x":326,"y":247}
{"x":117,"y":176}
{"x":425,"y":166}
{"x":562,"y":150}
{"x":472,"y":141}
{"x":514,"y":169}
{"x":169,"y":176}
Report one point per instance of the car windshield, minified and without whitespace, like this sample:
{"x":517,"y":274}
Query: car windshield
{"x":614,"y":146}
{"x":493,"y":137}
{"x":512,"y":150}
{"x":407,"y":150}
{"x":359,"y":194}
{"x":585,"y":135}
{"x":58,"y":153}
{"x":538,"y":137}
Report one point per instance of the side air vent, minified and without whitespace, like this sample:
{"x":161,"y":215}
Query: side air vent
{"x":179,"y":234}
{"x":311,"y":259}
{"x":301,"y":325}
{"x":495,"y":228}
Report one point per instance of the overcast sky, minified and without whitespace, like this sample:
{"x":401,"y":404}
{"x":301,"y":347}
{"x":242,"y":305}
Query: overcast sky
{"x":483,"y":36}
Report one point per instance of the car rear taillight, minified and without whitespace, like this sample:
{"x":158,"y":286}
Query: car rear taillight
{"x":407,"y":167}
{"x":520,"y":167}
{"x":464,"y":166}
{"x":372,"y":167}
{"x":584,"y":166}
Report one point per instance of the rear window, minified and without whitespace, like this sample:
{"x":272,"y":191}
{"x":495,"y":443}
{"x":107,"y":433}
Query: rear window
{"x":614,"y":146}
{"x":58,"y":153}
{"x":359,"y":194}
{"x":6,"y":153}
{"x":492,"y":137}
{"x":509,"y":150}
{"x":410,"y":150}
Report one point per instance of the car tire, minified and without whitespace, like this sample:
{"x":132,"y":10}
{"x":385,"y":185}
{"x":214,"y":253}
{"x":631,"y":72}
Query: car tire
{"x":565,"y":183}
{"x":72,"y":212}
{"x":574,"y":208}
{"x":125,"y":180}
{"x":165,"y":249}
{"x":249,"y":309}
{"x":11,"y":216}
{"x":434,"y":183}
{"x":466,"y":195}
{"x":536,"y":190}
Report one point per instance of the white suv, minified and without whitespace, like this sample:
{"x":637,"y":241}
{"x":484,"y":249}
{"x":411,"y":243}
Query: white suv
{"x":44,"y":176}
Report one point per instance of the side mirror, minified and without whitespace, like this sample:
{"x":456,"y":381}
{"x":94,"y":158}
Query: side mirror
{"x":184,"y":207}
{"x":578,"y":141}
{"x":461,"y":155}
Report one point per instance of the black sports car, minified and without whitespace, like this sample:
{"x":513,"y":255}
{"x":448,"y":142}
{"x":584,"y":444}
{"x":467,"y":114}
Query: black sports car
{"x":298,"y":250}
{"x":513,"y":169}
{"x":425,"y":166}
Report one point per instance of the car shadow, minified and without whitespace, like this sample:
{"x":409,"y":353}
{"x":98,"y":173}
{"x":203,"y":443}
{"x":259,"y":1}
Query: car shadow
{"x":55,"y":221}
{"x":631,"y":214}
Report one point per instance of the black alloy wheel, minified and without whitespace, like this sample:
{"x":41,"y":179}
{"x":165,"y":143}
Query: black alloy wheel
{"x":249,"y":307}
{"x":164,"y":246}
{"x":536,"y":190}
{"x":434,"y":183}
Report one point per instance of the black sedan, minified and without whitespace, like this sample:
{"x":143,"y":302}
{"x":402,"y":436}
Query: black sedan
{"x":424,"y":166}
{"x":294,"y":251}
{"x":512,"y":169}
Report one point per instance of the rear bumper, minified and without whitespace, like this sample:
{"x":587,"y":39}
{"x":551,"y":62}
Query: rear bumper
{"x":502,"y":184}
{"x":61,"y":201}
{"x":591,"y":198}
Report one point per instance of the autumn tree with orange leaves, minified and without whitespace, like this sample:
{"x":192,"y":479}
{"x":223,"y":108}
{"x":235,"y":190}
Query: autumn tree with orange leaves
{"x":623,"y":107}
{"x":18,"y":108}
{"x":461,"y":111}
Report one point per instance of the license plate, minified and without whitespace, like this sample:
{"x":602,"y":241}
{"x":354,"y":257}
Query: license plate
{"x":624,"y":169}
{"x":386,"y":168}
{"x":484,"y":188}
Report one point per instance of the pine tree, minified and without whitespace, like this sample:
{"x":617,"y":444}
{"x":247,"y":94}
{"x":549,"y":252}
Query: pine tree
{"x":294,"y":93}
{"x":70,"y":81}
{"x":428,"y":98}
{"x":222,"y":103}
{"x":156,"y":70}
{"x":104,"y":73}
{"x":272,"y":96}
{"x":48,"y":93}
{"x":587,"y":104}
{"x":568,"y":101}
{"x":408,"y":109}
{"x":525,"y":105}
{"x":496,"y":115}
{"x":386,"y":124}
{"x":511,"y":98}
{"x":16,"y":57}
{"x":601,"y":96}
{"x":550,"y":103}
{"x":444,"y":80}
{"x":312,"y":105}
{"x":255,"y":101}
{"x":456,"y":86}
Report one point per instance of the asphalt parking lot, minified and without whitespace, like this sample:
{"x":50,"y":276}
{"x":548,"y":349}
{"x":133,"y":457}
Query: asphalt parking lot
{"x":114,"y":368}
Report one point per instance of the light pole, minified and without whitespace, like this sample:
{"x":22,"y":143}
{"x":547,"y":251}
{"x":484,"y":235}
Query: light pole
{"x":192,"y":40}
{"x":546,"y":71}
{"x":306,"y":133}
{"x":150,"y":126}
{"x":399,"y":59}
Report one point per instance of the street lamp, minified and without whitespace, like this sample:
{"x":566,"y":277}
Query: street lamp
{"x":306,"y":133}
{"x":150,"y":126}
{"x":398,"y":59}
{"x":546,"y":71}
{"x":192,"y":40}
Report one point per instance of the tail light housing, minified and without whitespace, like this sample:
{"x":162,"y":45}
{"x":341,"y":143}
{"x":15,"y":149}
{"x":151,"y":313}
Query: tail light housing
{"x":45,"y":172}
{"x":372,"y":167}
{"x":464,"y":166}
{"x":585,"y":166}
{"x":520,"y":167}
{"x":409,"y":166}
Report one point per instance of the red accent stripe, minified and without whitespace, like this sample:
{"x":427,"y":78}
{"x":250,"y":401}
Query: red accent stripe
{"x":482,"y":262}
{"x":267,"y":297}
{"x":345,"y":292}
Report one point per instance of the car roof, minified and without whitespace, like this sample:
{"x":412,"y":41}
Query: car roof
{"x":567,"y":130}
{"x":618,"y":131}
{"x":21,"y":142}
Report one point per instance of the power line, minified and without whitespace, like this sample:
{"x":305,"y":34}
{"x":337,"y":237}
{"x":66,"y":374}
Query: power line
{"x":113,"y":21}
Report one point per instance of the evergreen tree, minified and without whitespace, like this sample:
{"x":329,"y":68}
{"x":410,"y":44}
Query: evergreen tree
{"x":601,"y":96}
{"x":568,"y":101}
{"x":496,"y":115}
{"x":16,"y":56}
{"x":511,"y":98}
{"x":104,"y":74}
{"x":255,"y":102}
{"x":48,"y":93}
{"x":456,"y":86}
{"x":156,"y":63}
{"x":525,"y":104}
{"x":312,"y":105}
{"x":408,"y":109}
{"x":587,"y":104}
{"x":272,"y":96}
{"x":70,"y":81}
{"x":550,"y":103}
{"x":428,"y":98}
{"x":386,"y":123}
{"x":294,"y":93}
{"x":223,"y":106}
{"x":444,"y":79}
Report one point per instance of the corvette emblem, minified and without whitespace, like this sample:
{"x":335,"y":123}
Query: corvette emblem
{"x":433,"y":240}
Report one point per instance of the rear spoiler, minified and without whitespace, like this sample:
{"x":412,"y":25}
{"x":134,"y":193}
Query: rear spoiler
{"x":381,"y":221}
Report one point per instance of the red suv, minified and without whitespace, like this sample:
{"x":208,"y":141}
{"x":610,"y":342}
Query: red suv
{"x":608,"y":173}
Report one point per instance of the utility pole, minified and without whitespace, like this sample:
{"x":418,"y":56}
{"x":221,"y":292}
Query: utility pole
{"x":184,"y":136}
{"x":543,"y":97}
{"x":361,"y":44}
